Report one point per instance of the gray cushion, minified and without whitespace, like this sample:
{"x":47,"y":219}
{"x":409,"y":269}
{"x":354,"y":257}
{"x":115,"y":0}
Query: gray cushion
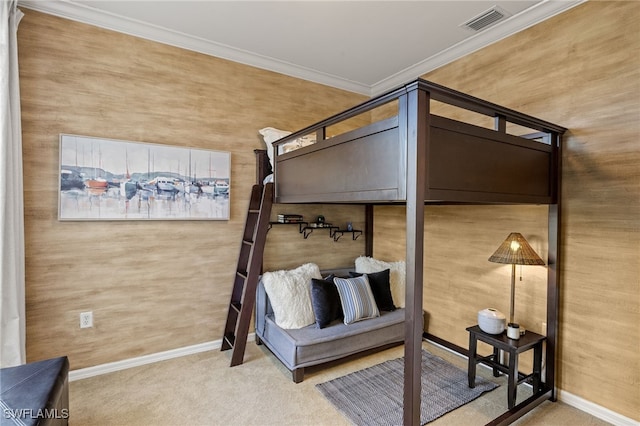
{"x":311,"y":345}
{"x":357,"y":300}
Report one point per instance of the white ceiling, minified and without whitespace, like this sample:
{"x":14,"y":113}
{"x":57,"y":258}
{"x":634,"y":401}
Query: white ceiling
{"x":365,"y":47}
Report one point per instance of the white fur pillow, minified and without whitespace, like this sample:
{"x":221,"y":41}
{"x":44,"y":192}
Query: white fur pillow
{"x":397,"y":275}
{"x":270,"y":135}
{"x":298,"y":143}
{"x":290,"y":295}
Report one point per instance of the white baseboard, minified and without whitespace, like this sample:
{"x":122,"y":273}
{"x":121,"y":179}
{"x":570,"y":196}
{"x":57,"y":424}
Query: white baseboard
{"x":110,"y":367}
{"x":575,"y":401}
{"x":595,"y":409}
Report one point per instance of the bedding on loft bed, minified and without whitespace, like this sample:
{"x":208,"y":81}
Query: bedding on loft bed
{"x":465,"y":162}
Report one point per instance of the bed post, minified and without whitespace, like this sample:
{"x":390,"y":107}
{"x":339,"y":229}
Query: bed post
{"x":553,"y":271}
{"x":368,"y":230}
{"x":263,"y":166}
{"x":414,"y":111}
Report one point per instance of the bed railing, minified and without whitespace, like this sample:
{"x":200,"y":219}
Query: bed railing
{"x":476,"y":152}
{"x":502,"y":116}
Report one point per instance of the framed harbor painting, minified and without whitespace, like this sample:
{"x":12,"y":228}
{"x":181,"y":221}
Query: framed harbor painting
{"x":108,"y":179}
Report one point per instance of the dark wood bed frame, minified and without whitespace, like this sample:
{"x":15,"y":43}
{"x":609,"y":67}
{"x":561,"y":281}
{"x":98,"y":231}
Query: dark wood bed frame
{"x":414,"y":157}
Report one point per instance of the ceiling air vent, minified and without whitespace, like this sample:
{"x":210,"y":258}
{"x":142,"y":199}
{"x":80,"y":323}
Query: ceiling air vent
{"x":485,"y":19}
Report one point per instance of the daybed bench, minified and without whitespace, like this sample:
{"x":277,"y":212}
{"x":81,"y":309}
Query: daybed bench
{"x":298,"y":348}
{"x":307,"y":346}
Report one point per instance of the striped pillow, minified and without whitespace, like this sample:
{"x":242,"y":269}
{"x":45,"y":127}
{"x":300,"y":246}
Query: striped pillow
{"x":357,"y":299}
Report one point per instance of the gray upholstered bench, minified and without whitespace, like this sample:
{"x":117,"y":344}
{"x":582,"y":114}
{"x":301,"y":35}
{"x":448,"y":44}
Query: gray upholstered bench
{"x":308,"y":346}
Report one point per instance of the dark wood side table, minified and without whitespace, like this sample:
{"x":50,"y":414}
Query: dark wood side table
{"x":529,"y":340}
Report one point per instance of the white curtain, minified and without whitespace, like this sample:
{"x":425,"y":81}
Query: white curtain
{"x":12,"y":308}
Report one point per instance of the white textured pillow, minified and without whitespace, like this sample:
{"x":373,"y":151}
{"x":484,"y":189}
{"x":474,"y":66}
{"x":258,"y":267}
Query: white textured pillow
{"x":290,"y":295}
{"x":397,"y":276}
{"x":270,"y":135}
{"x":298,"y":143}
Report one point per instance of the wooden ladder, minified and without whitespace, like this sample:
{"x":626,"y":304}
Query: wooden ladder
{"x":243,"y":295}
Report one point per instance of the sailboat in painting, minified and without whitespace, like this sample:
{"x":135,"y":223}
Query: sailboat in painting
{"x":95,"y":181}
{"x":193,"y":186}
{"x":128,"y":188}
{"x":221,"y":188}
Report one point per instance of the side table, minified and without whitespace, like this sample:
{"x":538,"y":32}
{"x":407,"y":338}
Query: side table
{"x":529,"y":340}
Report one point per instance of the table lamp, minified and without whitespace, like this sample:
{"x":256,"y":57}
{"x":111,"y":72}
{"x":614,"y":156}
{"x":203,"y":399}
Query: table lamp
{"x":515,"y":250}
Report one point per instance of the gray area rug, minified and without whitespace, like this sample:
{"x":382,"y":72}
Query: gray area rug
{"x":374,"y":396}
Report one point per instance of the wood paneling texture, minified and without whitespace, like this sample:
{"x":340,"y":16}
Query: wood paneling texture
{"x":580,"y":69}
{"x":286,"y":245}
{"x":160,"y":285}
{"x":459,"y":279}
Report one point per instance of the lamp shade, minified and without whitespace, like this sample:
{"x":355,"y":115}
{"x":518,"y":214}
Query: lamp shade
{"x":515,"y":250}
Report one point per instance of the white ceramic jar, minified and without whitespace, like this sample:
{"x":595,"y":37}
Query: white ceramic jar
{"x":491,"y":321}
{"x":513,"y":331}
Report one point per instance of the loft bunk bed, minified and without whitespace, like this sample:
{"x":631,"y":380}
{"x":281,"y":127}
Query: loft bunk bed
{"x":405,"y":153}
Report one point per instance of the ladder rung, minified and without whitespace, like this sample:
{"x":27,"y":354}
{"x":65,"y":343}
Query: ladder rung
{"x":230,"y":339}
{"x":236,"y":306}
{"x":242,"y":274}
{"x":247,"y":242}
{"x":254,"y":211}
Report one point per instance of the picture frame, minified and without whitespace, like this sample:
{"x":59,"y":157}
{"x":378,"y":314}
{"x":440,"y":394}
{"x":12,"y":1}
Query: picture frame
{"x":110,"y":179}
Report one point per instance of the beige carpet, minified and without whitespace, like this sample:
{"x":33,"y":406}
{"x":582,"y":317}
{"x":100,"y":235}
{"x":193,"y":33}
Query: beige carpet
{"x":201,"y":389}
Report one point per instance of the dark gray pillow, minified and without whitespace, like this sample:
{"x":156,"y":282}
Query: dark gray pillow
{"x":381,"y":289}
{"x":325,"y":301}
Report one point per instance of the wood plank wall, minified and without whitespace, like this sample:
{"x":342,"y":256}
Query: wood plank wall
{"x":581,"y":70}
{"x":152,"y":286}
{"x":286,"y":245}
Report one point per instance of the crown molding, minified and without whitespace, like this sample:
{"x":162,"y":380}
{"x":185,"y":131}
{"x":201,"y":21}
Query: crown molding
{"x":512,"y":25}
{"x":88,"y":15}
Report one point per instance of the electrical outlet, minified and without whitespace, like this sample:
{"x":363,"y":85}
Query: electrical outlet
{"x":86,"y":319}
